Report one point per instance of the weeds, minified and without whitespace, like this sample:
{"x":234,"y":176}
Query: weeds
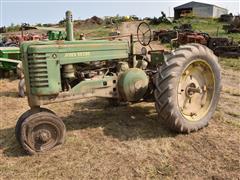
{"x":230,"y":63}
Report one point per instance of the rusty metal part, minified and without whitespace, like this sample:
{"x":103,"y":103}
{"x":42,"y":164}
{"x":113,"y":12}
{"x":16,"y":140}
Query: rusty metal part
{"x":224,"y":47}
{"x":189,"y":37}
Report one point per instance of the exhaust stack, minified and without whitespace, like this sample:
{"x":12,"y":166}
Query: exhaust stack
{"x":69,"y":26}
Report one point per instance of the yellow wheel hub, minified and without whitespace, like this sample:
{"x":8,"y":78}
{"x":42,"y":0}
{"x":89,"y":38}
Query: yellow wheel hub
{"x":196,"y":90}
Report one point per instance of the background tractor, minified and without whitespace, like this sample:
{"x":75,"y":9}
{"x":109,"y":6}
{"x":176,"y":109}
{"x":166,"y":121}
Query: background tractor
{"x":9,"y":59}
{"x":185,"y":83}
{"x":10,"y":63}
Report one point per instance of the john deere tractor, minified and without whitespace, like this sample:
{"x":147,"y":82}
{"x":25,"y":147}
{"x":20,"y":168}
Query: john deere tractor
{"x":184,"y":83}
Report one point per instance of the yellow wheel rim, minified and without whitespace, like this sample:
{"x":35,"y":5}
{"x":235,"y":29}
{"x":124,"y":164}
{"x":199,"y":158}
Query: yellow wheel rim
{"x":196,"y":90}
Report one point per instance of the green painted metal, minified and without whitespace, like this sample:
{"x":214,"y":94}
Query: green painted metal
{"x":56,"y":35}
{"x":42,"y":60}
{"x":157,"y":57}
{"x":133,"y":84}
{"x":69,"y":26}
{"x":7,"y":52}
{"x":88,"y":86}
{"x":44,"y":75}
{"x":9,"y":58}
{"x":82,"y":52}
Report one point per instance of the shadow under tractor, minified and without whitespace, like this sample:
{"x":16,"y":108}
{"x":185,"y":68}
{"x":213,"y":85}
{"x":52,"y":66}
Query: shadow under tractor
{"x":184,"y":83}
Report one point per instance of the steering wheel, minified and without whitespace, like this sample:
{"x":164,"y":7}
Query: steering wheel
{"x":144,"y":33}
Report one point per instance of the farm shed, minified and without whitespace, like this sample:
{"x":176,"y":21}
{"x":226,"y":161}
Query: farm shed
{"x":199,"y":9}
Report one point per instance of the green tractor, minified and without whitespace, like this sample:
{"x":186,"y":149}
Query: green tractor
{"x":184,"y":83}
{"x":9,"y":59}
{"x":10,"y":65}
{"x":53,"y":33}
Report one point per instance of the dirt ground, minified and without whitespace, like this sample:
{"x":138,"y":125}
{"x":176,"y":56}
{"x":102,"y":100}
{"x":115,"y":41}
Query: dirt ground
{"x":125,"y":142}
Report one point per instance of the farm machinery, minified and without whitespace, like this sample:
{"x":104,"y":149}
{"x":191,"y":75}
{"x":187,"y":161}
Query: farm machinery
{"x":10,"y":52}
{"x":14,"y":40}
{"x":221,"y":46}
{"x":233,"y":26}
{"x":10,"y":63}
{"x":165,"y":36}
{"x":225,"y":47}
{"x":9,"y":59}
{"x":185,"y":83}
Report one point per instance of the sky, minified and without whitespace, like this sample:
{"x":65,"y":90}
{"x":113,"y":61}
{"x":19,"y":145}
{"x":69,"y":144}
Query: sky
{"x":52,"y":11}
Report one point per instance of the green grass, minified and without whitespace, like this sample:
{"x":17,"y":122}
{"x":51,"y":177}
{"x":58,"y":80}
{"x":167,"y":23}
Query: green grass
{"x":230,"y":63}
{"x":92,"y":31}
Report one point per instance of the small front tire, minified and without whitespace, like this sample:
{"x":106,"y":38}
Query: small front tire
{"x":40,"y":131}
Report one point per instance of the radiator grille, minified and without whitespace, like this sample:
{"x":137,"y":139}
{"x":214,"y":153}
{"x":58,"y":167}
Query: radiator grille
{"x":38,"y":73}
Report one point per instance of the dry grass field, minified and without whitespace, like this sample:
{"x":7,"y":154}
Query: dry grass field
{"x":126,"y":142}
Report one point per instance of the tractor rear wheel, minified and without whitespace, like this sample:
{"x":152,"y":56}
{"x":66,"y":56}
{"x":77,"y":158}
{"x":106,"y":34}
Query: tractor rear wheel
{"x":188,"y":88}
{"x":40,"y":131}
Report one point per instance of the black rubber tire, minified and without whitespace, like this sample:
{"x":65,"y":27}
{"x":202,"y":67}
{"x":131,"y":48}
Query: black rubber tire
{"x":32,"y":121}
{"x":167,"y":80}
{"x":22,"y":118}
{"x":37,"y":119}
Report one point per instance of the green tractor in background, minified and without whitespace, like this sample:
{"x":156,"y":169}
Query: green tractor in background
{"x":185,"y":83}
{"x":9,"y":59}
{"x":10,"y":56}
{"x":10,"y":63}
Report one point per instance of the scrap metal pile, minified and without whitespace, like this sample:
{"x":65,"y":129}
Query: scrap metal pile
{"x":184,"y":34}
{"x":9,"y":46}
{"x":233,"y":25}
{"x":224,"y":47}
{"x":165,"y":36}
{"x":16,"y":40}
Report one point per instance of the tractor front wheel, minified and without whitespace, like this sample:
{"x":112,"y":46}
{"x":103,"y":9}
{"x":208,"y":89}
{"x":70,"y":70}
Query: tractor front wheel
{"x":188,"y":88}
{"x":39,"y":131}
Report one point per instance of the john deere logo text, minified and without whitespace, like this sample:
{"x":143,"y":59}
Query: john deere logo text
{"x":77,"y":54}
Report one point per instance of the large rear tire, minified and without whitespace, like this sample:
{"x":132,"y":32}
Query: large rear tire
{"x":188,"y":87}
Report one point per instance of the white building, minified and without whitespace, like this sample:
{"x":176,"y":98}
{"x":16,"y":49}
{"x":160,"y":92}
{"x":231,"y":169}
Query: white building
{"x":199,"y":10}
